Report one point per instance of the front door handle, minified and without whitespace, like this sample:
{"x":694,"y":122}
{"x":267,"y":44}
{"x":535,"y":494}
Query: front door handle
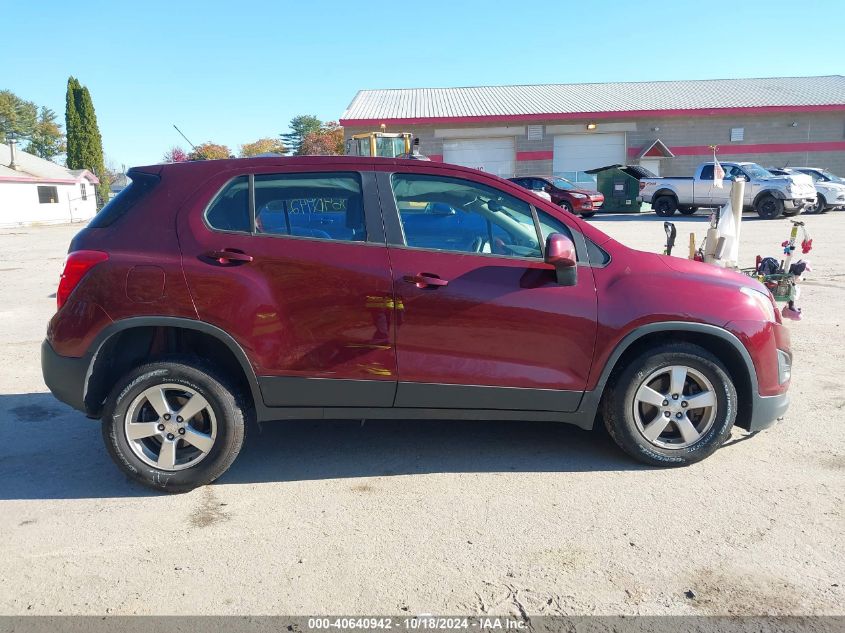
{"x":228,"y":256}
{"x":425,"y":280}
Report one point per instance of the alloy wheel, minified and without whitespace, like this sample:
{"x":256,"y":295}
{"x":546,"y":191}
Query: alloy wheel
{"x":170,"y":427}
{"x":674,"y":407}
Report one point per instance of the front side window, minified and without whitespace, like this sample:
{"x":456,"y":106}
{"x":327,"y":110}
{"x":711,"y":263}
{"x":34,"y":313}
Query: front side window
{"x":48,"y":195}
{"x":462,"y":216}
{"x":326,"y":206}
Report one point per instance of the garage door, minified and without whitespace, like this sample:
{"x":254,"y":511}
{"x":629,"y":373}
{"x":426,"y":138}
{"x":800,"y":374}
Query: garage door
{"x":576,"y":153}
{"x":493,"y":155}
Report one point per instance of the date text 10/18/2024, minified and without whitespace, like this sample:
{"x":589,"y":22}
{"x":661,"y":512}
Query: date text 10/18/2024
{"x":417,"y":623}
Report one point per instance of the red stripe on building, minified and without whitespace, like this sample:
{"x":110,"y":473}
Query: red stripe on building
{"x":538,"y":155}
{"x":626,"y":114}
{"x":759,"y":148}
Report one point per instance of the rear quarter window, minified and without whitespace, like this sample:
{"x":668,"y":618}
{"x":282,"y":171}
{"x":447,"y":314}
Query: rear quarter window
{"x":140,"y":187}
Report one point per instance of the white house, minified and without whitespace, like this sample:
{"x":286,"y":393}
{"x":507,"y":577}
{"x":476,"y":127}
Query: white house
{"x":36,"y":191}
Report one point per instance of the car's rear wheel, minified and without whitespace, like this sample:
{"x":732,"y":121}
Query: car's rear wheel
{"x":173,"y":425}
{"x":671,"y":406}
{"x":566,"y":206}
{"x":664,"y":206}
{"x":769,"y":207}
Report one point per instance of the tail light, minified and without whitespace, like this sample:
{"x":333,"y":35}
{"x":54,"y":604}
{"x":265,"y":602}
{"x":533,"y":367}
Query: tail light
{"x":77,"y":265}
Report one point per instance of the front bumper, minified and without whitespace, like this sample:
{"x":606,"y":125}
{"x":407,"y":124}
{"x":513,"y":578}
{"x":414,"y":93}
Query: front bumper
{"x":65,"y":376}
{"x":767,"y":410}
{"x":798,"y":203}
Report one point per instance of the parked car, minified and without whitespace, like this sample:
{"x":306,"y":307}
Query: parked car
{"x":568,"y":196}
{"x":207,"y":294}
{"x":769,"y":195}
{"x":830,"y":189}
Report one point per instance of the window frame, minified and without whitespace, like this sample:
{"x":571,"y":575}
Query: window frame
{"x":396,"y":233}
{"x":369,"y":197}
{"x":51,"y":200}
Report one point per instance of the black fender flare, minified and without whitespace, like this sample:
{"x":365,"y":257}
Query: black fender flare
{"x":122,"y":325}
{"x":592,"y":399}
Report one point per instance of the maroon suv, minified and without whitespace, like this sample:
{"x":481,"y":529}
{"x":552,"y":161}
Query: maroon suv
{"x":210,"y":293}
{"x":568,"y":196}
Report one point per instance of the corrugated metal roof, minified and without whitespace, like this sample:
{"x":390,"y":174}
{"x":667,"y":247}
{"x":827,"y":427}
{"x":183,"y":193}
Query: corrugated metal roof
{"x":491,"y":101}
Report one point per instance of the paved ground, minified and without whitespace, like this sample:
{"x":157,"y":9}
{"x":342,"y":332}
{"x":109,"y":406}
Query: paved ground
{"x":442,"y":517}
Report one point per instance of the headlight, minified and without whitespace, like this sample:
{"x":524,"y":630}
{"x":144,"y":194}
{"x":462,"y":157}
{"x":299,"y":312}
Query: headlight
{"x":763,"y":300}
{"x":578,"y":196}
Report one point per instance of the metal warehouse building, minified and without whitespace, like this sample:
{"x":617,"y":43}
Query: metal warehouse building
{"x":666,"y":126}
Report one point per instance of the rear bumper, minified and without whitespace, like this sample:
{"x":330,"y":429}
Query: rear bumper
{"x":767,"y":410}
{"x":65,"y":376}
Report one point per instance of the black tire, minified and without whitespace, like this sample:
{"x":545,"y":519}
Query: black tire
{"x":664,"y":206}
{"x":587,"y":214}
{"x":821,"y":204}
{"x":566,"y":206}
{"x":619,"y":402}
{"x":769,"y":208}
{"x":224,"y":402}
{"x":688,"y":210}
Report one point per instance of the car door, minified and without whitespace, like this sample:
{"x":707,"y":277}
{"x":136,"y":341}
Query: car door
{"x":481,"y":321}
{"x":293,"y":264}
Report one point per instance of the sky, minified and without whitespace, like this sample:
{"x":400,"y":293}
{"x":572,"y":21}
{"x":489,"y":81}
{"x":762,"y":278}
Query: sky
{"x":233,"y":72}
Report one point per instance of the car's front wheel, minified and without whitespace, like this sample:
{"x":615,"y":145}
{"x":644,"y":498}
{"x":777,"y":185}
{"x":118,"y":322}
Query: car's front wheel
{"x":173,"y":425}
{"x":671,"y":406}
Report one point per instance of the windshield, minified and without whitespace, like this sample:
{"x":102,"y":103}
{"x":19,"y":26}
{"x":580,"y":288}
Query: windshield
{"x":755,"y":171}
{"x":562,"y":183}
{"x":821,"y":175}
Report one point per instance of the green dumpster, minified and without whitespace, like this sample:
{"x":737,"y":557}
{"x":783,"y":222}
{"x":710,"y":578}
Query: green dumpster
{"x":620,"y":185}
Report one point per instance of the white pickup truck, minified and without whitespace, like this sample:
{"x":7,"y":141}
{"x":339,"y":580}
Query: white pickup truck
{"x":771,"y":196}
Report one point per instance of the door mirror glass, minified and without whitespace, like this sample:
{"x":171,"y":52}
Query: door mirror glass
{"x":560,"y":253}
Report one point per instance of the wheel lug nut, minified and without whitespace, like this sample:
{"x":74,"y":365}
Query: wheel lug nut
{"x":179,"y":419}
{"x":170,"y":436}
{"x":684,"y":404}
{"x":665,"y":403}
{"x":166,"y":416}
{"x":679,"y":415}
{"x":181,"y":431}
{"x":160,"y":427}
{"x":666,"y":413}
{"x":674,"y":396}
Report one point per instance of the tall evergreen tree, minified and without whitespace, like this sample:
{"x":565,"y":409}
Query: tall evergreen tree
{"x":300,"y":127}
{"x":72,"y":125}
{"x":84,"y":142}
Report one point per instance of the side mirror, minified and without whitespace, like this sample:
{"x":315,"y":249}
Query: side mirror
{"x":560,"y":253}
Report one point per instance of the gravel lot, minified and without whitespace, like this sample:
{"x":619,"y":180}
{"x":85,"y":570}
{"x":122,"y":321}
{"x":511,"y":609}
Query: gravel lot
{"x":429,"y":517}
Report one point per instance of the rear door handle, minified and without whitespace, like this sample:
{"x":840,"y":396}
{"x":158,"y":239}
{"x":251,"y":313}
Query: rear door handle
{"x":425,"y":280}
{"x":227,"y":256}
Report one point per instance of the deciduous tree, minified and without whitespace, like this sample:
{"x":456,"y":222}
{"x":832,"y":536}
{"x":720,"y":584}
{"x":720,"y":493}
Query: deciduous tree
{"x":327,"y":141}
{"x":263,"y":146}
{"x":209,"y":151}
{"x":175,"y":155}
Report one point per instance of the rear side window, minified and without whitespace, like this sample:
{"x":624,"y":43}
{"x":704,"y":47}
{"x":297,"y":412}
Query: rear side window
{"x":229,"y":211}
{"x":142,"y":184}
{"x":326,"y":206}
{"x":706,"y":173}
